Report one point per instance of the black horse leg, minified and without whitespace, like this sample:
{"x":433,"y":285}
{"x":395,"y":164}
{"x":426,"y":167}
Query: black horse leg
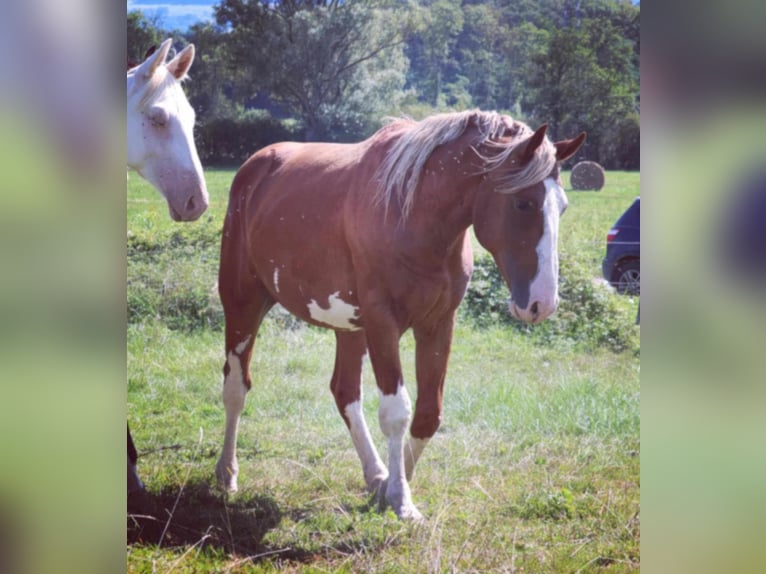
{"x":134,"y":482}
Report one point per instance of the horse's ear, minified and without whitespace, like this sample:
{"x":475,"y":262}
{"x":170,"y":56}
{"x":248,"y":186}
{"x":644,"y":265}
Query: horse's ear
{"x":154,"y":61}
{"x":567,"y":148}
{"x":534,"y":143}
{"x":179,"y":65}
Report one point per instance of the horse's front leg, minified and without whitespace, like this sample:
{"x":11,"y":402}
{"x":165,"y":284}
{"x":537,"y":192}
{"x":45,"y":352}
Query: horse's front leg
{"x":395,"y":408}
{"x":346,"y":386}
{"x":432,"y":349}
{"x":242,"y":322}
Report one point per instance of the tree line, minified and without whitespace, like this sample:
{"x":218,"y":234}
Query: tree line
{"x":332,"y":70}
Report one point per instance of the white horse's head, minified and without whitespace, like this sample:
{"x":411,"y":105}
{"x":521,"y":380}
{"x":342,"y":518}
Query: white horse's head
{"x":160,"y":132}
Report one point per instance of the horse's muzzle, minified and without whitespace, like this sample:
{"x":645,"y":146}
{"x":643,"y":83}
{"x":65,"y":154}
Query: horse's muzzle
{"x":535,"y":312}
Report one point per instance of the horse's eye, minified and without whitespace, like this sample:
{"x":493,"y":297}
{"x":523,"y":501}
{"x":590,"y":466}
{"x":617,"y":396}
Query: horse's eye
{"x":524,"y":205}
{"x":158,"y":117}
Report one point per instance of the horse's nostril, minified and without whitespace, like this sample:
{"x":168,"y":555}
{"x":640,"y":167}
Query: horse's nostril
{"x":190,"y":205}
{"x":535,"y":309}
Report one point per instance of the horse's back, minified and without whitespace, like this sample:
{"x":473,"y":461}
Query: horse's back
{"x":295,"y":168}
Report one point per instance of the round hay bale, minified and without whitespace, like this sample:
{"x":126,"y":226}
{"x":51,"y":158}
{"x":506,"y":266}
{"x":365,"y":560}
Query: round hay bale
{"x":587,"y":175}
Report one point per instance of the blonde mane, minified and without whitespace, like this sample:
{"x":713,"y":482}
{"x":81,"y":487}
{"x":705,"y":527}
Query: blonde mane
{"x":399,"y":174}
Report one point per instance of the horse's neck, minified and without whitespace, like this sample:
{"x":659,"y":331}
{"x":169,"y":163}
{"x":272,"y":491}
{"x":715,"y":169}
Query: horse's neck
{"x":443,"y":207}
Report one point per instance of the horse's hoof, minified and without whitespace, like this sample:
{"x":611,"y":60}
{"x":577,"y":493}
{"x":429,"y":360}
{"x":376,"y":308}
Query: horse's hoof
{"x":227,"y":479}
{"x":410,"y":513}
{"x":378,"y":485}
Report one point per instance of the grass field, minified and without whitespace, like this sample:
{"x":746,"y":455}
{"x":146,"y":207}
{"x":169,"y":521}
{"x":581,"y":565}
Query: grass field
{"x":535,"y":468}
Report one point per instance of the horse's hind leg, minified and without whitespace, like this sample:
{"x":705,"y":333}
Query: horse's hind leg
{"x":242,"y":322}
{"x":346,"y":386}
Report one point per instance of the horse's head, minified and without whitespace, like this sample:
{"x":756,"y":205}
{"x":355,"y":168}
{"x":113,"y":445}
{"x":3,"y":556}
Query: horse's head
{"x":160,"y":125}
{"x":516,"y":218}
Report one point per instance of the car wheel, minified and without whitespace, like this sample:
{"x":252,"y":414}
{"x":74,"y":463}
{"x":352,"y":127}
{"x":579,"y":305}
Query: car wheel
{"x":626,"y":278}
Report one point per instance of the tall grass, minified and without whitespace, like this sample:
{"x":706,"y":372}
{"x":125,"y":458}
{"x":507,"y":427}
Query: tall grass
{"x":535,"y":467}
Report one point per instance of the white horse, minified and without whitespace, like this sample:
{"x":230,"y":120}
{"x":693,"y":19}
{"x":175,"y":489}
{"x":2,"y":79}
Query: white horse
{"x":160,"y":125}
{"x":161,"y":148}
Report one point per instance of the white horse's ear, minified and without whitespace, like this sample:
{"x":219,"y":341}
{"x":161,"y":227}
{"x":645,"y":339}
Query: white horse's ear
{"x":179,"y":65}
{"x":154,"y":61}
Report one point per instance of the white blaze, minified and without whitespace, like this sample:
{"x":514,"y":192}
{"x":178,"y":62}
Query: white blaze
{"x":276,"y":280}
{"x":544,"y":287}
{"x":339,"y":314}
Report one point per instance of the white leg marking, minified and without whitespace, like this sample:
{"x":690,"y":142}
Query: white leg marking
{"x":339,"y":314}
{"x":394,"y":414}
{"x":276,"y":279}
{"x":234,"y":393}
{"x":242,"y":346}
{"x":412,"y":453}
{"x":374,"y":470}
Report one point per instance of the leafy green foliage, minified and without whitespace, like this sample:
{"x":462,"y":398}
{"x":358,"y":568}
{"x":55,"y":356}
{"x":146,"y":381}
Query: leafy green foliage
{"x":142,"y":33}
{"x":584,"y":80}
{"x":337,"y":68}
{"x":589,"y":314}
{"x":230,"y":141}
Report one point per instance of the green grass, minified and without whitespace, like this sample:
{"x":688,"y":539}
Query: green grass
{"x":535,"y":467}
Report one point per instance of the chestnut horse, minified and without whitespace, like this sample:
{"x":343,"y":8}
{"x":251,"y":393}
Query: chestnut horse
{"x":370,"y":239}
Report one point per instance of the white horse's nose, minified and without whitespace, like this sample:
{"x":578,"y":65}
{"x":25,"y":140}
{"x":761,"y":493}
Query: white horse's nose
{"x":195,"y":207}
{"x":188,"y":206}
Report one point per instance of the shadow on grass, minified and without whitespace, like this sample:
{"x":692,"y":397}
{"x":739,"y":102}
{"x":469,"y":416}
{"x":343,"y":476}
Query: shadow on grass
{"x":201,"y":516}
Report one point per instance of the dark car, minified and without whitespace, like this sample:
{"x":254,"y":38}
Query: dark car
{"x":622,"y":264}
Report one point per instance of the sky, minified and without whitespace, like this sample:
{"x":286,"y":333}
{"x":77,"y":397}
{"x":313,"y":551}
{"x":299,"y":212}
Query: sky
{"x":175,"y":14}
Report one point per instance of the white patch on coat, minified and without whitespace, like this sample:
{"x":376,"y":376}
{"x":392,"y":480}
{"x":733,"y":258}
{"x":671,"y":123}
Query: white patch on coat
{"x":241,"y":347}
{"x":276,"y":280}
{"x":338,"y":315}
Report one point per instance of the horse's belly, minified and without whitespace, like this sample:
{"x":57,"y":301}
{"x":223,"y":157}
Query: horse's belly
{"x":317,"y":288}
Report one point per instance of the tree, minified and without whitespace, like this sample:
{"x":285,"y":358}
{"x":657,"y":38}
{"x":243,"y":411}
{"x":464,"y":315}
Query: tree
{"x":337,"y":66}
{"x":211,"y":86}
{"x":431,"y":49}
{"x":142,"y":34}
{"x":585,"y":80}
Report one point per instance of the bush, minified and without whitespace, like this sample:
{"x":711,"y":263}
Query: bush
{"x":621,"y":144}
{"x":589,"y":314}
{"x":230,"y":141}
